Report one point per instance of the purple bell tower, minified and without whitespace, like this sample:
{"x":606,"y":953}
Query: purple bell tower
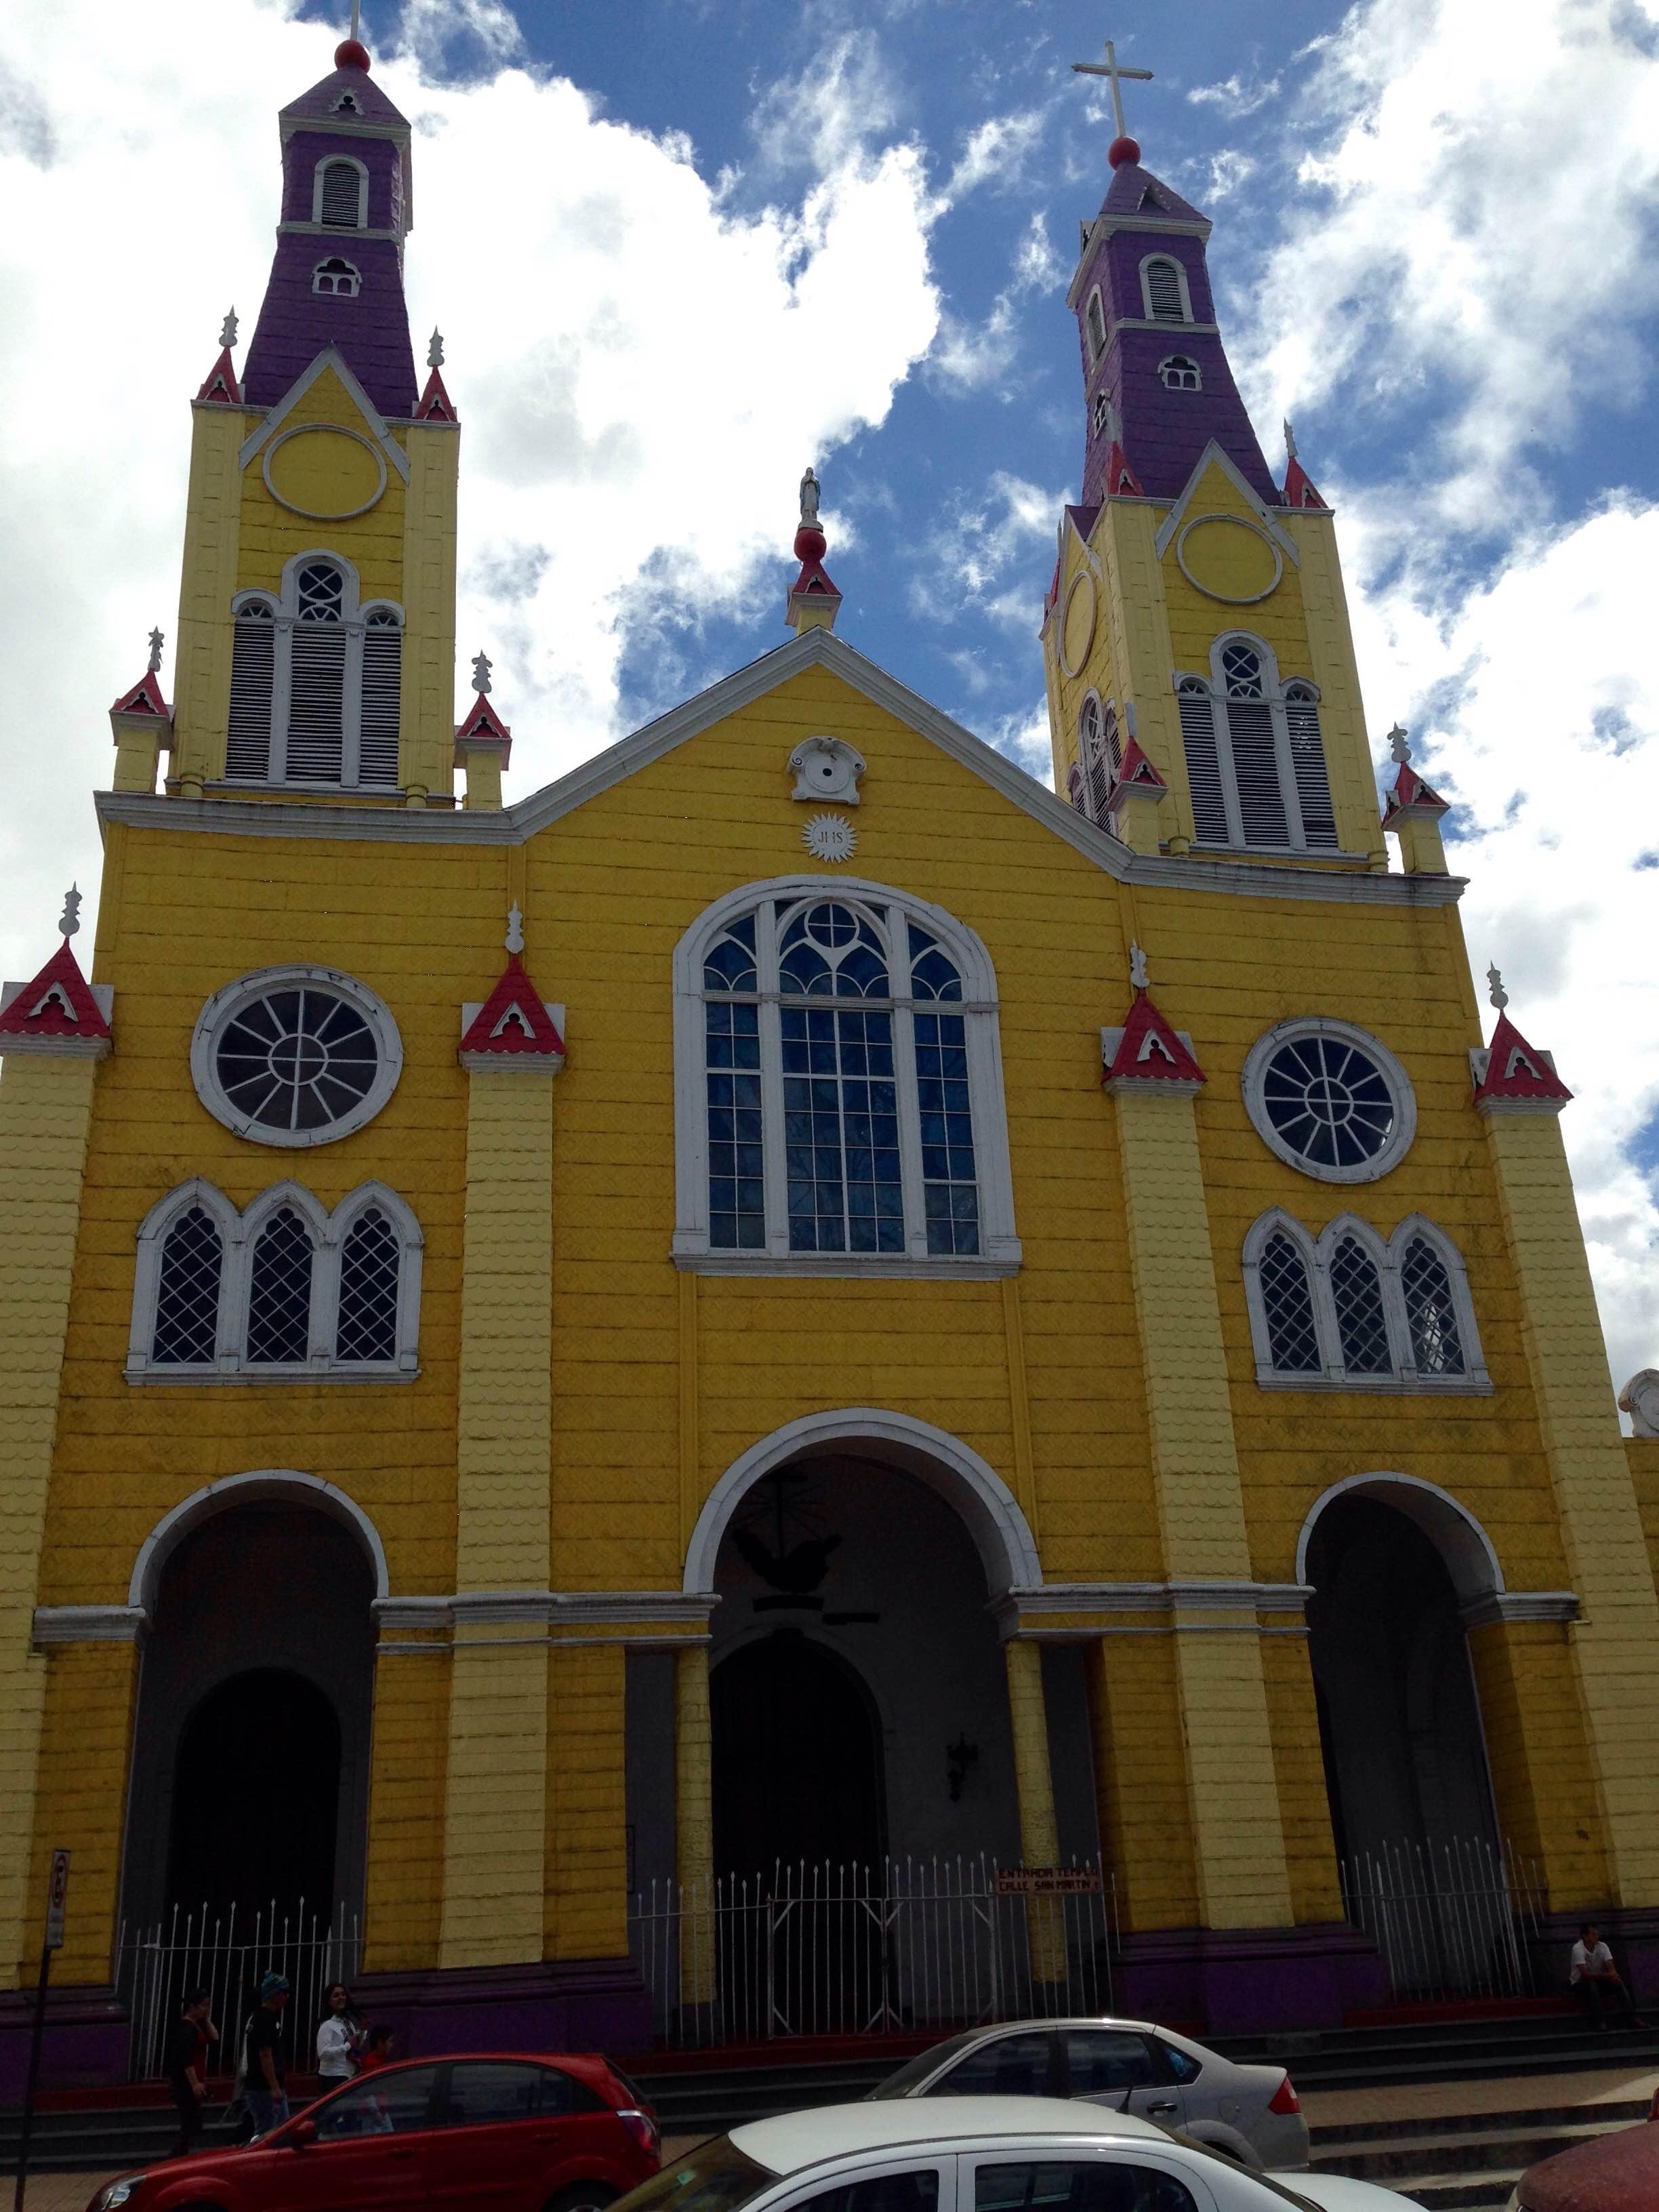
{"x":1156,"y":382}
{"x":337,"y":278}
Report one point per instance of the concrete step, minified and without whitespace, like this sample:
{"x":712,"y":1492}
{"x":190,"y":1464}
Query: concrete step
{"x":1397,"y":2162}
{"x":1460,"y":2192}
{"x":1332,"y":2133}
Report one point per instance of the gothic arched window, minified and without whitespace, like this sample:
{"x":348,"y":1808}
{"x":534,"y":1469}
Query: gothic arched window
{"x":283,"y":1291}
{"x":1094,"y":318}
{"x":1164,"y":289}
{"x":337,"y":276}
{"x":1255,"y":758}
{"x":341,"y":200}
{"x":1349,"y":1311}
{"x":316,"y":682}
{"x":839,"y":1102}
{"x":1181,"y":373}
{"x":1098,"y":755}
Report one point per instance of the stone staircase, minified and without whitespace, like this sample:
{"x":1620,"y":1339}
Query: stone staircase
{"x":1471,"y":2160}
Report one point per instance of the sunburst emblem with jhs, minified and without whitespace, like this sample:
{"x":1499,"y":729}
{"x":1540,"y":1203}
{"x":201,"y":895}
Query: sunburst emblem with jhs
{"x":830,"y":838}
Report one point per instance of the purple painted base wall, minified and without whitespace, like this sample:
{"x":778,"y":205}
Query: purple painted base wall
{"x":584,"y":2004}
{"x":85,"y":2043}
{"x":1248,"y":1980}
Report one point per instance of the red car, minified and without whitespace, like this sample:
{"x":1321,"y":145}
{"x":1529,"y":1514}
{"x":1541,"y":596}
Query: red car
{"x":1618,"y":2173}
{"x":496,"y":2133}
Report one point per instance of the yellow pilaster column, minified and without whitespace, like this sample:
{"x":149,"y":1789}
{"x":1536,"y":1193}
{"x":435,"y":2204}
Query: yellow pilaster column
{"x":1140,"y":1779}
{"x":426,"y":728}
{"x":587,"y":1901}
{"x":496,"y":1797}
{"x":45,"y":1113}
{"x":213,"y":510}
{"x":409,"y":1755}
{"x":694,"y":1825}
{"x":1039,"y":1832}
{"x":1239,"y":1841}
{"x":1615,"y":1642}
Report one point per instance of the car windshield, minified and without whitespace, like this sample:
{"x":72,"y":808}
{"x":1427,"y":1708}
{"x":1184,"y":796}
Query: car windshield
{"x":918,"y":2068}
{"x":714,"y":2178}
{"x":1267,"y":2181}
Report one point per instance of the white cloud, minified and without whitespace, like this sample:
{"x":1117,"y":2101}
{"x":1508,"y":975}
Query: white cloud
{"x":972,"y":356}
{"x":1228,"y":170}
{"x":1529,"y":709}
{"x":1477,"y":223}
{"x":1235,"y":95}
{"x":996,"y":151}
{"x":641,"y":370}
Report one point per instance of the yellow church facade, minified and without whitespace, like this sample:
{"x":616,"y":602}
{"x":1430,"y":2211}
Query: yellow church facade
{"x":793,"y":1295}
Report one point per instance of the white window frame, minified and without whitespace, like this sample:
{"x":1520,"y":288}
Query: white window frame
{"x":1102,"y":748}
{"x":238,"y":1233}
{"x":1163,"y":321}
{"x":1185,"y":362}
{"x":228,"y":1001}
{"x":999,"y":1252}
{"x":1093,"y":307}
{"x":324,"y":269}
{"x":1274,"y":689}
{"x":285,"y":614}
{"x":362,"y":191}
{"x":1388,"y":1256}
{"x":1253,"y":1079}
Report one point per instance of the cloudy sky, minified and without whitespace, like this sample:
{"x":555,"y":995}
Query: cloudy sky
{"x":679,"y":247}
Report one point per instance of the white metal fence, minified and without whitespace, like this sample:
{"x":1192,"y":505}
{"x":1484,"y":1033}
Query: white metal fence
{"x":820,"y":1949}
{"x":1459,"y":1919}
{"x":227,"y":1954}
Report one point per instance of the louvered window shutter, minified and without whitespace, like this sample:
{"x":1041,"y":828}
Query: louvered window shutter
{"x":252,"y":673}
{"x":1164,"y":290}
{"x":342,"y":195}
{"x":1313,"y":787}
{"x":1203,"y":768}
{"x":383,"y":652}
{"x":316,"y":705}
{"x":1255,"y":772}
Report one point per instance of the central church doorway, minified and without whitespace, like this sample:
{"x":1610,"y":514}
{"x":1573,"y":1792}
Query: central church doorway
{"x":797,"y":1767}
{"x":256,"y":1797}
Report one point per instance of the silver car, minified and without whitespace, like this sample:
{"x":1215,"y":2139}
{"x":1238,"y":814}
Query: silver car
{"x":1251,"y":2112}
{"x":980,"y":2154}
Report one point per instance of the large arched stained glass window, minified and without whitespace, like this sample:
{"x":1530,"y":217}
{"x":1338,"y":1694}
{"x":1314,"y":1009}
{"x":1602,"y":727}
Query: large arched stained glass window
{"x":849,"y":1095}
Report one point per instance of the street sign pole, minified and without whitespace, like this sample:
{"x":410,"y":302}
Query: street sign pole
{"x":52,"y":1940}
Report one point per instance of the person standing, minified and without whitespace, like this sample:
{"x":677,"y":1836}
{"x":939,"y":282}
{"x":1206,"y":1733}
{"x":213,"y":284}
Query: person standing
{"x":262,"y":2046}
{"x":378,"y":2052}
{"x":1595,"y":1979}
{"x":340,"y":2039}
{"x":192,"y":2035}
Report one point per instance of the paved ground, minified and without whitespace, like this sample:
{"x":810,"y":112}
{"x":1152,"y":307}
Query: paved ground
{"x":1516,"y":2093}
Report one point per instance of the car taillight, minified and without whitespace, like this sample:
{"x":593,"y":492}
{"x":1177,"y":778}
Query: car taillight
{"x":1284,"y":2099}
{"x":642,"y":2128}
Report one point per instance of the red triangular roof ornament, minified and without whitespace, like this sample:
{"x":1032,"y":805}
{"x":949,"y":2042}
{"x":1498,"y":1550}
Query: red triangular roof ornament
{"x":1148,"y":1051}
{"x":1300,"y":490}
{"x":1119,"y":480}
{"x":1411,"y":795}
{"x":1517,"y":1072}
{"x":813,"y":577}
{"x":482,"y":721}
{"x":221,"y":383}
{"x":434,"y":404}
{"x":1135,"y":772}
{"x":513,"y":1022}
{"x":144,"y":698}
{"x":57,"y":1005}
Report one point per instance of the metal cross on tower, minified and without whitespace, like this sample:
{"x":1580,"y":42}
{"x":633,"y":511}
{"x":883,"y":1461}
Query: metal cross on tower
{"x":1111,"y":69}
{"x":356,"y":17}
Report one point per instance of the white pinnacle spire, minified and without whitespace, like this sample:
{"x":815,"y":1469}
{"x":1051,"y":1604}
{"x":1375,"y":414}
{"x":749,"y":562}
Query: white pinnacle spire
{"x":1399,"y":750}
{"x":156,"y":642}
{"x":435,"y":352}
{"x":1499,"y":996}
{"x":228,"y":330}
{"x":514,"y":928}
{"x":1137,"y":967}
{"x":70,"y":920}
{"x":482,"y":664}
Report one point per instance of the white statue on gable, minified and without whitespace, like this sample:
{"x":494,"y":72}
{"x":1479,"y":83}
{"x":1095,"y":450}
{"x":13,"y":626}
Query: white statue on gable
{"x":1640,"y":1399}
{"x":826,"y":768}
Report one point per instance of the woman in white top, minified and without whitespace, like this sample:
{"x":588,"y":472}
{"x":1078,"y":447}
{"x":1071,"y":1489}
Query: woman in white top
{"x":339,"y":2039}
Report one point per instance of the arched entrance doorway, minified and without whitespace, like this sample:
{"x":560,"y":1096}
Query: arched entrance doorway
{"x":250,"y":1773}
{"x":798,"y":1768}
{"x":1400,"y":1734}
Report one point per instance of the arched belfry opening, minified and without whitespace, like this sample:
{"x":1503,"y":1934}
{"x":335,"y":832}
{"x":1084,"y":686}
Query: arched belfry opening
{"x":1392,"y":1567}
{"x":250,"y":1773}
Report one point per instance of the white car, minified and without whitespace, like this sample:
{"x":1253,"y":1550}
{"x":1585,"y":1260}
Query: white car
{"x":979,"y":2155}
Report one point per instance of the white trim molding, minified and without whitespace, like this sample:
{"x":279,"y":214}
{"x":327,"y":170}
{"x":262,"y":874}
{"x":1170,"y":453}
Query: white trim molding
{"x":1388,"y":1256}
{"x":888,"y":913}
{"x":967,"y":1483}
{"x":265,"y":1485}
{"x":1470,"y":1555}
{"x":348,"y":160}
{"x":1031,"y":1614}
{"x":238,"y":1232}
{"x":227,"y":1003}
{"x":88,"y":1624}
{"x":1169,"y":261}
{"x":1404,"y":1098}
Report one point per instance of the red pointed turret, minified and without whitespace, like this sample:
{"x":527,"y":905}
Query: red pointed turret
{"x":513,"y":1023}
{"x":221,"y":383}
{"x":144,"y":698}
{"x":1135,"y":776}
{"x":57,"y":1009}
{"x":1516,"y":1073}
{"x":1118,"y":480}
{"x":1300,"y":490}
{"x":484,"y":727}
{"x":1411,"y":796}
{"x":434,"y":405}
{"x":1146,"y":1050}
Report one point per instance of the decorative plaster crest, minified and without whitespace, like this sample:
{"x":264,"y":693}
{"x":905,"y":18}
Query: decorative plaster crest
{"x":1640,"y":1399}
{"x":827,"y":768}
{"x":830,"y":838}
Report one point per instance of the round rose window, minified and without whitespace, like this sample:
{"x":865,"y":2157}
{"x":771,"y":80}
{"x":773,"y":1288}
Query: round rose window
{"x":1329,"y":1100}
{"x":296,"y":1057}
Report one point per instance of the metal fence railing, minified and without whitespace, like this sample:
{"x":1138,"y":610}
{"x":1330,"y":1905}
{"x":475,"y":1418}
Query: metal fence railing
{"x":822,"y":1950}
{"x":226,"y":1952}
{"x":1458,"y":1919}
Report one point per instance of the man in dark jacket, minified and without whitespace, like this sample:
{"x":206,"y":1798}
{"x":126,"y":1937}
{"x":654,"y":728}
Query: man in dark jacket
{"x":192,"y":2036}
{"x":262,"y":2056}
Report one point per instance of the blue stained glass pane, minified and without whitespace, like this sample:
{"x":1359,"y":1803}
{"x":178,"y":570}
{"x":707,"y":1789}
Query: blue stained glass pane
{"x":737,"y":1210}
{"x":949,"y":1187}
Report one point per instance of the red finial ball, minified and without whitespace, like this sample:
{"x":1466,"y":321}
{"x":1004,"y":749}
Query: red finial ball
{"x":351,"y":53}
{"x":1119,"y":151}
{"x":811,"y":543}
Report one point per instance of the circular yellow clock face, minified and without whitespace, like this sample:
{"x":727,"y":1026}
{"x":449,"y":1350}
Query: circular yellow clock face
{"x":323,"y":472}
{"x":1229,"y":559}
{"x":1077,"y":632}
